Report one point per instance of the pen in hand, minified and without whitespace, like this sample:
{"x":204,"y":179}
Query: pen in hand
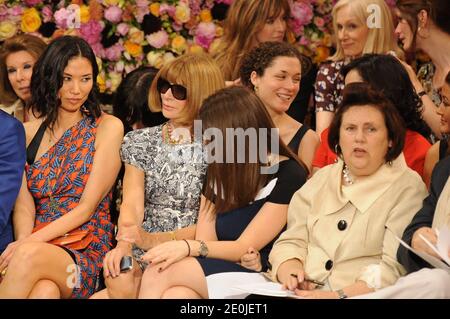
{"x":317,"y":283}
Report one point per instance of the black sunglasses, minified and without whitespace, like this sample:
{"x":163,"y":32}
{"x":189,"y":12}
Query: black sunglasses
{"x":178,"y":91}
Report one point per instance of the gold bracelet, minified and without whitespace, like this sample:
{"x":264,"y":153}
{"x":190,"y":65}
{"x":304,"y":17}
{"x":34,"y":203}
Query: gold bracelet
{"x":172,"y":235}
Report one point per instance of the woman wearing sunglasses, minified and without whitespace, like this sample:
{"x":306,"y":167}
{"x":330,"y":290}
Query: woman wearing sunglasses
{"x":164,"y":171}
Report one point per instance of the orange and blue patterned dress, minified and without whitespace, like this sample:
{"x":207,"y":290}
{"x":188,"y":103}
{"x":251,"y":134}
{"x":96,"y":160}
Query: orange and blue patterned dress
{"x":56,"y":181}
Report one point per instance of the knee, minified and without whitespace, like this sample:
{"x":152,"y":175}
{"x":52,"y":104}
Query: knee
{"x":45,"y":289}
{"x":26,"y":256}
{"x":121,"y":287}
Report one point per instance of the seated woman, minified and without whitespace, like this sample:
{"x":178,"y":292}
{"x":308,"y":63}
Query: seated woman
{"x":164,"y":171}
{"x":250,"y":179}
{"x":440,"y":149}
{"x":342,"y":224}
{"x":372,"y":69}
{"x":273,"y":70}
{"x":18,"y":55}
{"x":73,"y":160}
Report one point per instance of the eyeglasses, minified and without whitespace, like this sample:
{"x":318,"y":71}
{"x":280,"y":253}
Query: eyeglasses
{"x":178,"y":91}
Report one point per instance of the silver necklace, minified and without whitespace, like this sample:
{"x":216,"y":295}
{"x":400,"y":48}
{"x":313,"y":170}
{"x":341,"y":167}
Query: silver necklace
{"x":348,"y":179}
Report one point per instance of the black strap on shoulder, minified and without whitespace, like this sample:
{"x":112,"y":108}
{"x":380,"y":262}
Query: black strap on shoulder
{"x":34,"y":144}
{"x":295,"y":141}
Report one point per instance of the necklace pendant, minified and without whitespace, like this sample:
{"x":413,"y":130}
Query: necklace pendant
{"x":53,"y":205}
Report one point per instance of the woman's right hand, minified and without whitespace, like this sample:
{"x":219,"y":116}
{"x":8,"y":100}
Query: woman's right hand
{"x":111,"y":262}
{"x":420,"y":245}
{"x":291,"y":275}
{"x":252,"y":260}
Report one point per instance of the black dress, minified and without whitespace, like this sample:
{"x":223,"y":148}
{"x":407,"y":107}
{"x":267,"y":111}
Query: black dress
{"x":230,"y":225}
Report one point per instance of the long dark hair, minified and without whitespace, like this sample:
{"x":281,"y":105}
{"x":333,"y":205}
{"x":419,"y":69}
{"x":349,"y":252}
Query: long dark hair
{"x":386,"y":74}
{"x":237,"y":183}
{"x":47,"y":78}
{"x":131,"y":99}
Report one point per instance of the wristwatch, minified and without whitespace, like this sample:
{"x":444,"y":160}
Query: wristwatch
{"x":341,"y":294}
{"x":203,"y":250}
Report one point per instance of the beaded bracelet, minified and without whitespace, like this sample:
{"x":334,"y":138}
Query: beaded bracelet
{"x":189,"y":247}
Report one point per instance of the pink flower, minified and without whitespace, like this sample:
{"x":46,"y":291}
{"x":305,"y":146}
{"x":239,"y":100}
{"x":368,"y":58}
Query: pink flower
{"x":47,"y":14}
{"x":3,"y":12}
{"x":302,"y":13}
{"x":123,"y":29}
{"x":113,"y":14}
{"x":141,"y":9}
{"x":114,"y":52}
{"x":165,"y":8}
{"x":158,"y":39}
{"x":15,"y":11}
{"x":319,"y":22}
{"x":32,"y":3}
{"x":91,"y":32}
{"x":205,"y":34}
{"x":61,"y":18}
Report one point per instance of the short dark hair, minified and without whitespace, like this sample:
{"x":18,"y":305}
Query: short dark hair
{"x":47,"y":78}
{"x":358,"y":94}
{"x":131,"y":98}
{"x":373,"y":68}
{"x":262,"y":57}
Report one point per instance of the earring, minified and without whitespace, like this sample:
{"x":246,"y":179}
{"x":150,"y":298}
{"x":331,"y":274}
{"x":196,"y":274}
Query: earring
{"x":256,"y":89}
{"x":389,"y":163}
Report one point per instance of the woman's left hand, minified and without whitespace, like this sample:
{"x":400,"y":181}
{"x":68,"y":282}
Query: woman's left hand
{"x":316,"y":294}
{"x":8,"y":253}
{"x":167,"y":253}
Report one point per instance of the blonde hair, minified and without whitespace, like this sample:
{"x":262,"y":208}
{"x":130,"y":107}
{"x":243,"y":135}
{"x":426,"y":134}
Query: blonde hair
{"x":379,"y":40}
{"x":244,"y":20}
{"x":198,"y":73}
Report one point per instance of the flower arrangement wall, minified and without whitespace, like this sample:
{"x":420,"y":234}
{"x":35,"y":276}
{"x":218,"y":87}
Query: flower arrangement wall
{"x":127,"y":34}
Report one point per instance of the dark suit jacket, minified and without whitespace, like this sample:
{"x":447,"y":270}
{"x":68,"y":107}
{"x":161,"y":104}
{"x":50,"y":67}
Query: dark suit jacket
{"x":12,"y":163}
{"x":424,"y":217}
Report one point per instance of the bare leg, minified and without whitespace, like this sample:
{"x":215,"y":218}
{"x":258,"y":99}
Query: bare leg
{"x":180,"y":292}
{"x":102,"y":294}
{"x":185,"y":273}
{"x":33,"y":262}
{"x":45,"y":289}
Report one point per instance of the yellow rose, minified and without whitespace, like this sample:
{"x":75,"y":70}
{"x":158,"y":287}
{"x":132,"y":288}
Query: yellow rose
{"x":132,"y":48}
{"x":115,"y":79}
{"x":205,"y":15}
{"x":99,"y":64}
{"x":135,"y":35}
{"x":213,"y":48}
{"x":111,"y":2}
{"x":84,"y":14}
{"x":101,"y":82}
{"x":30,"y":20}
{"x":219,"y":31}
{"x":7,"y":29}
{"x":154,"y":9}
{"x":195,"y":48}
{"x":155,"y":59}
{"x":179,"y":43}
{"x":182,"y":13}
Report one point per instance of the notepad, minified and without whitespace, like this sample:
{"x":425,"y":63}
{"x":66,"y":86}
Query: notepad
{"x":266,"y":289}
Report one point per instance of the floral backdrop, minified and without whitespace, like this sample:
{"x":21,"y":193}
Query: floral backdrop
{"x":127,"y":34}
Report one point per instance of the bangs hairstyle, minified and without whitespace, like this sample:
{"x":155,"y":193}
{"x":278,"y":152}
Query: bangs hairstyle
{"x":198,"y":73}
{"x":248,"y":15}
{"x":379,"y":40}
{"x":361,"y":94}
{"x":438,"y":11}
{"x":263,"y":56}
{"x":48,"y":75}
{"x":372,"y":68}
{"x":23,"y":42}
{"x":238,"y":183}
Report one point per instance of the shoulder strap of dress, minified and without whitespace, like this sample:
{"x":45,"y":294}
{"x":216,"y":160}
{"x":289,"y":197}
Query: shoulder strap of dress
{"x":295,"y":141}
{"x":34,"y":144}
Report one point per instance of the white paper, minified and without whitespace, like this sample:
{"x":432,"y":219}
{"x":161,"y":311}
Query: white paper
{"x":435,"y":262}
{"x":266,"y":289}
